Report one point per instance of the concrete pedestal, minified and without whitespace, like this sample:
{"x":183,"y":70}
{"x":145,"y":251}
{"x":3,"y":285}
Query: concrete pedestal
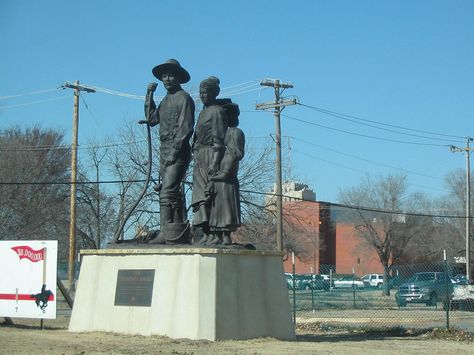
{"x":196,"y":293}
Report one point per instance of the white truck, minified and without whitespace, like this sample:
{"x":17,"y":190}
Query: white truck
{"x":463,"y":298}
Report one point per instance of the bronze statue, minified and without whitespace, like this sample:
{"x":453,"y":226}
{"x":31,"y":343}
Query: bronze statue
{"x":225,"y":213}
{"x":208,"y":150}
{"x":175,"y":115}
{"x":218,"y":146}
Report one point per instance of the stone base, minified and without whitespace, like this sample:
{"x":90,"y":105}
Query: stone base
{"x":212,"y":294}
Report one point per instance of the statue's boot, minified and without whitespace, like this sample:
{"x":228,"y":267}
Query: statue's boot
{"x":160,"y":239}
{"x":214,"y":240}
{"x":226,"y":240}
{"x":203,"y":240}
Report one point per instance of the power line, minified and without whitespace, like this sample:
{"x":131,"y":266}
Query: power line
{"x":65,"y":147}
{"x":235,"y":93}
{"x":36,"y":102}
{"x":118,"y":93}
{"x":348,"y":117}
{"x":238,"y":91}
{"x":27,"y":94}
{"x":254,"y":82}
{"x":361,"y":208}
{"x":364,"y":172}
{"x":366,"y":160}
{"x":364,"y":135}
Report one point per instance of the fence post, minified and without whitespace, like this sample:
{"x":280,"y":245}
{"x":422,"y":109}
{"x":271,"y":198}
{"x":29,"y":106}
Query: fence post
{"x":313,"y":285}
{"x":294,"y":290}
{"x":353,"y":288}
{"x":447,"y":302}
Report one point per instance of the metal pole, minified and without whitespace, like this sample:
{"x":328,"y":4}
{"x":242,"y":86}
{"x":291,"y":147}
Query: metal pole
{"x":98,"y":206}
{"x":468,"y":211}
{"x":353,"y":288}
{"x":447,"y":301}
{"x":294,"y":287}
{"x":72,"y":209}
{"x":313,"y":286}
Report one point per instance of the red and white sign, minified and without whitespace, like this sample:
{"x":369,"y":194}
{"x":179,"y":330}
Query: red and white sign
{"x":28,"y":279}
{"x":25,"y":252}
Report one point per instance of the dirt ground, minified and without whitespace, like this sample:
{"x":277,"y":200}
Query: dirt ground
{"x":26,"y":336}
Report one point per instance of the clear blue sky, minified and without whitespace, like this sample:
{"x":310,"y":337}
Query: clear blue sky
{"x":402,"y":63}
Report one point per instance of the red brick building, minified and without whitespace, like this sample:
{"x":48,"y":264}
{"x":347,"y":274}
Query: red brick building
{"x":325,"y":242}
{"x":322,"y":235}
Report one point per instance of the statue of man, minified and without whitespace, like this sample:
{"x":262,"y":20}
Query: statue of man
{"x":175,"y":115}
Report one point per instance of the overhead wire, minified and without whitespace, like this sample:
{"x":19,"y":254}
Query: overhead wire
{"x":351,"y":118}
{"x":88,"y":109}
{"x":361,"y":208}
{"x":27,"y":94}
{"x":240,"y":89}
{"x":331,"y":162}
{"x":364,"y":135}
{"x":240,"y":86}
{"x":366,"y":160}
{"x":35,"y":102}
{"x":59,"y":147}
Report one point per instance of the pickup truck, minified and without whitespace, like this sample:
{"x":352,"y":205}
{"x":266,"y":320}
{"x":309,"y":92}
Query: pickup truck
{"x":427,"y":288}
{"x":463,"y":297}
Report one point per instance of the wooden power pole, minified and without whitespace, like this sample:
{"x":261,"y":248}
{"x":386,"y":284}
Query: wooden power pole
{"x":468,"y":150}
{"x":72,"y":208}
{"x":278,"y":105}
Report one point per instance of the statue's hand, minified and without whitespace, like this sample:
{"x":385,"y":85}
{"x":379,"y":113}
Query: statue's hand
{"x":220,"y":176}
{"x":213,"y":169}
{"x":151,"y":87}
{"x":170,"y":160}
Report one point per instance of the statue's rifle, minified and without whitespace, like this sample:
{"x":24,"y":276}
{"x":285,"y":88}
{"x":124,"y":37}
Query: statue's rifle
{"x":121,"y":227}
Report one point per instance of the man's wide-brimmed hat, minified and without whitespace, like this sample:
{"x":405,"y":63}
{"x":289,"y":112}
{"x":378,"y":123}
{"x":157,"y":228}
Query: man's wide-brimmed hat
{"x":171,"y":66}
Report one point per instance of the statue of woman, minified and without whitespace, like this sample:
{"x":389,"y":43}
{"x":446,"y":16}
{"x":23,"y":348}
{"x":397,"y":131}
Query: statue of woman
{"x":208,"y":150}
{"x":225,"y":209}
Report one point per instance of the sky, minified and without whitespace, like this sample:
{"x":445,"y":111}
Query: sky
{"x":384,"y":87}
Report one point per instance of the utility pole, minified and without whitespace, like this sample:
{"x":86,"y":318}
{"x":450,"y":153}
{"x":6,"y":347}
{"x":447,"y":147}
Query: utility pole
{"x":278,"y":105}
{"x":72,"y":208}
{"x":467,"y":149}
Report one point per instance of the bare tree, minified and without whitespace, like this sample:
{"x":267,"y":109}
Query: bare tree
{"x":96,"y":213}
{"x":453,"y":204}
{"x":256,"y":173}
{"x":127,"y":163}
{"x":34,"y":170}
{"x":388,"y":234}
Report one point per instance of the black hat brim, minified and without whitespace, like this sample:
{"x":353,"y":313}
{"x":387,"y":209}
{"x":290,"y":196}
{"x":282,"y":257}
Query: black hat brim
{"x":159,"y":70}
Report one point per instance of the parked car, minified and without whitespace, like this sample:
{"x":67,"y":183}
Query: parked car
{"x":306,"y":282}
{"x":461,"y":279}
{"x":320,"y":283}
{"x":425,"y":287}
{"x":297,"y":281}
{"x":290,"y":281}
{"x":373,"y":280}
{"x":348,"y":282}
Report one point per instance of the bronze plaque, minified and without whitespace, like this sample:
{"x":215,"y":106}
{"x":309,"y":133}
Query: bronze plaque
{"x":134,"y":287}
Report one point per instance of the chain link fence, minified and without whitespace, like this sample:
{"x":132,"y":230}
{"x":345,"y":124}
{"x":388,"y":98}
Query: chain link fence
{"x":419,"y":297}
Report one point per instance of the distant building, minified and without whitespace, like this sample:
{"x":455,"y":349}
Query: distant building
{"x":291,"y":191}
{"x":330,"y":242}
